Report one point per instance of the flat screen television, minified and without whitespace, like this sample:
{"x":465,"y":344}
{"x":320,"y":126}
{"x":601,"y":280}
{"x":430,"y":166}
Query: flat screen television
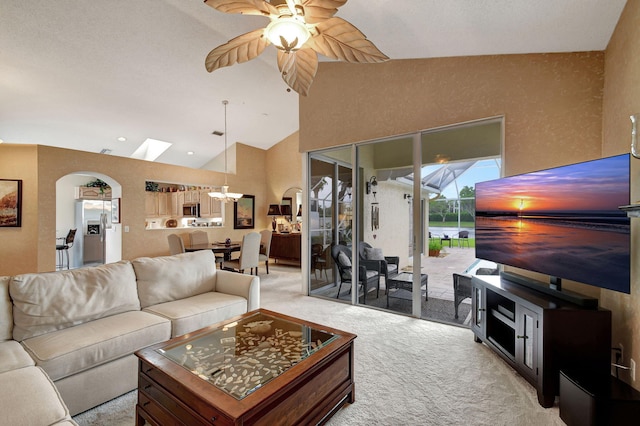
{"x":563,"y":222}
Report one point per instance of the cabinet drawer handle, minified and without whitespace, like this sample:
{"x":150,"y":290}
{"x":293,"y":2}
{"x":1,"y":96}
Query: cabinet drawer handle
{"x":522,"y":337}
{"x":213,"y":419}
{"x":147,"y":387}
{"x":481,"y":309}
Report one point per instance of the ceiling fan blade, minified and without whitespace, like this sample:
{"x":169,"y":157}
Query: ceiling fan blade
{"x":298,"y":69}
{"x":338,"y":39}
{"x":316,"y":11}
{"x":246,"y":7}
{"x":241,"y":49}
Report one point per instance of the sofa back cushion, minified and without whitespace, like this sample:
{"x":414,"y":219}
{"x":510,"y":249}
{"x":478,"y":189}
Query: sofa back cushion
{"x":6,"y":315}
{"x":168,"y":278}
{"x":49,"y":301}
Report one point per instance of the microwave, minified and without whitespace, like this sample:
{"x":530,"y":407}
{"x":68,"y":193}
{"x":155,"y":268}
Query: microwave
{"x":191,"y":210}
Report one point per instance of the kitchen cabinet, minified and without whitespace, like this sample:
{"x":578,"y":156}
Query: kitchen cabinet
{"x":92,"y":193}
{"x":175,"y":204}
{"x":209,"y":207}
{"x":159,"y":204}
{"x":151,"y":204}
{"x":192,"y":196}
{"x":163,"y":203}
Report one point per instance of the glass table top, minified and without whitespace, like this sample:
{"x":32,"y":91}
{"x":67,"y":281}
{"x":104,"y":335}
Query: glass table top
{"x":244,"y":355}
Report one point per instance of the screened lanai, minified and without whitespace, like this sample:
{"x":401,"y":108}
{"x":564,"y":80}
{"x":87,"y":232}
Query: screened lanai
{"x":365,"y":204}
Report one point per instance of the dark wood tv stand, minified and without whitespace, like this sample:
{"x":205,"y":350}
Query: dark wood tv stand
{"x":538,"y":334}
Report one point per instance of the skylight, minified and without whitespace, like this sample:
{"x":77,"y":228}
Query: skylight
{"x":150,"y":149}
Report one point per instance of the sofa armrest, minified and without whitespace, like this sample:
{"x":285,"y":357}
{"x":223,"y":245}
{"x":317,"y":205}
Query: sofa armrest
{"x":247,"y":286}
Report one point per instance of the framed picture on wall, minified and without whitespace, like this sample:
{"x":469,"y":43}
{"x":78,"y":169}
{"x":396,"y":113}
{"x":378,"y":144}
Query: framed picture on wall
{"x":115,"y":210}
{"x":244,"y":212}
{"x":10,"y":203}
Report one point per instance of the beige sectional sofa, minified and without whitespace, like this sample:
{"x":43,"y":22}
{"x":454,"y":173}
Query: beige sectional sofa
{"x":73,"y":334}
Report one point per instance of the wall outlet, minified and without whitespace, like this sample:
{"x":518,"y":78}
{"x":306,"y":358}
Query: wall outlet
{"x":126,"y":229}
{"x":632,"y":366}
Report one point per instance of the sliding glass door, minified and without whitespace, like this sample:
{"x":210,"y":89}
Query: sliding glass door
{"x":369,"y":216}
{"x":330,"y":216}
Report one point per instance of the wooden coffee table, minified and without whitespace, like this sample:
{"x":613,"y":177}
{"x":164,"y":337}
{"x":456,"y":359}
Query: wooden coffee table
{"x":261,"y":368}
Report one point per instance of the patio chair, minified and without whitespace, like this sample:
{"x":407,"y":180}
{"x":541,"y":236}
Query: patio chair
{"x":319,"y":261}
{"x":367,"y":278}
{"x":388,"y":264}
{"x":462,"y":238}
{"x":462,"y":286}
{"x":461,"y":290}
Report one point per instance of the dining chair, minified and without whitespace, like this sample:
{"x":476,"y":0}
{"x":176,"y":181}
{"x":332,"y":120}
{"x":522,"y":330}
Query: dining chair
{"x":201,"y":237}
{"x":176,"y":245}
{"x":63,"y":249}
{"x":198,"y":237}
{"x":249,"y":255}
{"x":265,"y":247}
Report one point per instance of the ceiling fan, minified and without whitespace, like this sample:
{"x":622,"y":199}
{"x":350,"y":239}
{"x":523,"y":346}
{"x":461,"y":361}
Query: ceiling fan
{"x":300,"y":29}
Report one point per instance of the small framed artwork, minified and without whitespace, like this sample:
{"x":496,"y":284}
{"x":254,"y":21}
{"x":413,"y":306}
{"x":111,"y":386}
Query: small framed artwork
{"x":115,"y":210}
{"x":244,"y":212}
{"x":10,"y":203}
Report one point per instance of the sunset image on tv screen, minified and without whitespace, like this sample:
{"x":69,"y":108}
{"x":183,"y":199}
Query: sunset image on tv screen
{"x":564,"y":222}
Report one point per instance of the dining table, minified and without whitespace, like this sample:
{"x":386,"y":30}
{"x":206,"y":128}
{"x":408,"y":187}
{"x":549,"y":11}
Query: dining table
{"x":216,"y":247}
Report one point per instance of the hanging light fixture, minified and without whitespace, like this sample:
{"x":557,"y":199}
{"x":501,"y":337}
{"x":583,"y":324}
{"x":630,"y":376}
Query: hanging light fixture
{"x":224,"y":195}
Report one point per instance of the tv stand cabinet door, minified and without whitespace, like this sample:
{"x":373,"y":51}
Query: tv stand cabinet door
{"x":527,"y":342}
{"x":478,"y":311}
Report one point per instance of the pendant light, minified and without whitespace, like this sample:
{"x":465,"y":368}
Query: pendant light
{"x":224,"y":195}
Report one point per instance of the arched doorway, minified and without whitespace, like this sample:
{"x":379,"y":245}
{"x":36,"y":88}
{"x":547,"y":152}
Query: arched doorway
{"x":96,"y":241}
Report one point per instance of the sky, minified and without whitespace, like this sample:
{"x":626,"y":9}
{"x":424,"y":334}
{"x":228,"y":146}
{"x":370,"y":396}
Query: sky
{"x":594,"y":185}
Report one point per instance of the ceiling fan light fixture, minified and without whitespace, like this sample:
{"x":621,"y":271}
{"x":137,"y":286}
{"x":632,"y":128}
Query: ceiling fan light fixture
{"x":288,"y":33}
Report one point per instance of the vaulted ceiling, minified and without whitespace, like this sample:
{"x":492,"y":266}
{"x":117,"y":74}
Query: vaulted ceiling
{"x":79,"y":74}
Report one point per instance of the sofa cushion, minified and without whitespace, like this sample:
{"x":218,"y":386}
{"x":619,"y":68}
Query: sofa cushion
{"x":69,"y":351}
{"x":196,"y":312}
{"x":168,"y":278}
{"x":30,"y":398}
{"x":50,"y":301}
{"x":6,"y":310}
{"x":13,"y":355}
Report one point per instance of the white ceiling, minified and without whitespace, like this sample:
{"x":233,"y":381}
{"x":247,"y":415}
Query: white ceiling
{"x":78,"y":74}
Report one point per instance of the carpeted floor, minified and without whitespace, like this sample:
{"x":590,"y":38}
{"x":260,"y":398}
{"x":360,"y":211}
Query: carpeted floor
{"x":407,"y":371}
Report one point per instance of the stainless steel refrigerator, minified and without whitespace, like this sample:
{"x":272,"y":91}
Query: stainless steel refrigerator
{"x":93,"y":217}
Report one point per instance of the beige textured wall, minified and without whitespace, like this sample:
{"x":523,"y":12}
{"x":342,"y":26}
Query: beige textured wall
{"x":18,"y":250}
{"x":30,"y":248}
{"x":621,"y":99}
{"x":283,"y":169}
{"x":551,"y":103}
